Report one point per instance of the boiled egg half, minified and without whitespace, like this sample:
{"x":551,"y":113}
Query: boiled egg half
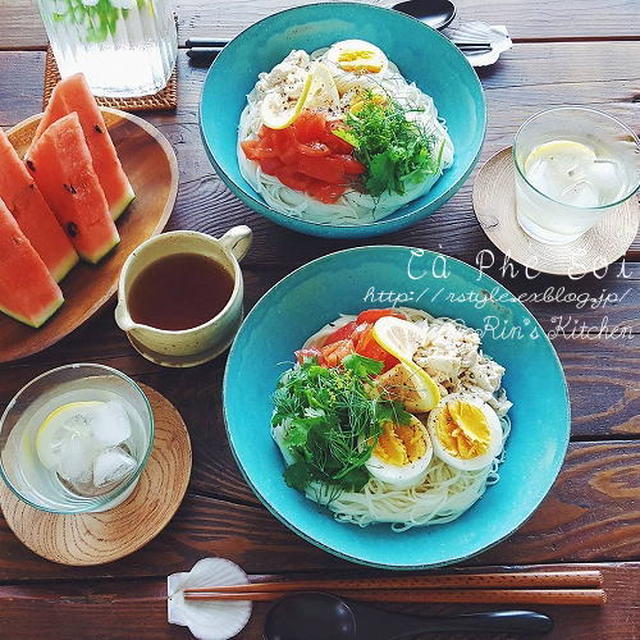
{"x":402,"y":454}
{"x":465,"y":432}
{"x":357,"y":56}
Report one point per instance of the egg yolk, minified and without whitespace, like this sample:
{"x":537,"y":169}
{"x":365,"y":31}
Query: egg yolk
{"x":356,"y":61}
{"x":400,"y":444}
{"x":358,"y":104}
{"x":463,"y":430}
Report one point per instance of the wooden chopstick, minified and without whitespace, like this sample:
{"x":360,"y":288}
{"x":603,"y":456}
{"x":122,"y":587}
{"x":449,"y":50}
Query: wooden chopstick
{"x":530,"y":579}
{"x":583,"y":597}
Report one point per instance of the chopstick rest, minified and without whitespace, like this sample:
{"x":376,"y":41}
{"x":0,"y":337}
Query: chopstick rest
{"x":211,"y":620}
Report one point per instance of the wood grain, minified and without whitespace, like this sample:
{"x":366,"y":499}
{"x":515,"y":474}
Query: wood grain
{"x":494,"y":203}
{"x":41,"y":610}
{"x":453,"y":228}
{"x":151,"y":167}
{"x":542,"y":19}
{"x":98,"y":538}
{"x":592,"y":511}
{"x":590,"y":515}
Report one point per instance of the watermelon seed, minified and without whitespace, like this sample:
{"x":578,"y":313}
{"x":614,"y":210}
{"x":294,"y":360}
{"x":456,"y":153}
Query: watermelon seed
{"x":72,"y":229}
{"x":70,"y":188}
{"x":98,"y":128}
{"x":31,"y":165}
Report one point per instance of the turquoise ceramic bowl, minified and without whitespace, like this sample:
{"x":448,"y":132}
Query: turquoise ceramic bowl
{"x":423,"y":55}
{"x":341,"y":283}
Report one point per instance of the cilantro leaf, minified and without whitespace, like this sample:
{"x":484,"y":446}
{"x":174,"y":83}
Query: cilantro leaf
{"x":362,"y":366}
{"x":298,"y":475}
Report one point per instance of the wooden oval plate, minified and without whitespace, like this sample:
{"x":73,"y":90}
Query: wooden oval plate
{"x":151,"y":166}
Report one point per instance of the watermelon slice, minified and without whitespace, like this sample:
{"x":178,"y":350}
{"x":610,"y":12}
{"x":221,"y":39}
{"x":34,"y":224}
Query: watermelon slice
{"x":32,"y":213}
{"x":27,"y":291}
{"x":60,"y":163}
{"x":73,"y":94}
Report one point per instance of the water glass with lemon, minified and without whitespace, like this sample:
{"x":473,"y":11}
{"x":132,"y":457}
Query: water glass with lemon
{"x":573,"y":166}
{"x":76,"y":439}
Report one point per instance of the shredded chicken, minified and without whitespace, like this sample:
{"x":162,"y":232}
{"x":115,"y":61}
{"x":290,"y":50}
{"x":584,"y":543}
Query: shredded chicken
{"x":450,"y":353}
{"x":287,"y":78}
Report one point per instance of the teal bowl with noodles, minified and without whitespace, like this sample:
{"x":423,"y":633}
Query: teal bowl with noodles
{"x":423,"y":55}
{"x":348,"y":282}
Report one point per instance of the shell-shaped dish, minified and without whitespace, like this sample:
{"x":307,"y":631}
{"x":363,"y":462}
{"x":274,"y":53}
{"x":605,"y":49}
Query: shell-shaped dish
{"x":477,"y":31}
{"x":208,"y":620}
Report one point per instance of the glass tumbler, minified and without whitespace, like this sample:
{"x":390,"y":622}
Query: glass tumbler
{"x":125,"y":48}
{"x":573,"y":166}
{"x":29,"y":432}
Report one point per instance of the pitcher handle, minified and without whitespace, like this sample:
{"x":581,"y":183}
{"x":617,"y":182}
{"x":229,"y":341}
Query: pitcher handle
{"x":238,"y":240}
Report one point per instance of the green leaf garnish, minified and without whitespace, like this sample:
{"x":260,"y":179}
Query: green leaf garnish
{"x":362,"y":366}
{"x":395,"y":150}
{"x":332,"y":419}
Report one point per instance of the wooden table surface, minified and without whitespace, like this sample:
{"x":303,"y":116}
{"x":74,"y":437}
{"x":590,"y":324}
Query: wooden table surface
{"x":573,"y":52}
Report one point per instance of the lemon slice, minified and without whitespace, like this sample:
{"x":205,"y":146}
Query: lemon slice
{"x":279,"y":115}
{"x":401,"y":338}
{"x":58,"y":428}
{"x":323,"y":92}
{"x":566,"y":155}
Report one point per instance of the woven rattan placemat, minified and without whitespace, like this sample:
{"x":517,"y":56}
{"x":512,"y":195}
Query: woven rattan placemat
{"x":165,"y":100}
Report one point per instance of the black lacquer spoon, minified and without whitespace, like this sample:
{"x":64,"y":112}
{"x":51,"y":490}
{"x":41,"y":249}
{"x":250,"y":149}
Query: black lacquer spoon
{"x":322,"y":616}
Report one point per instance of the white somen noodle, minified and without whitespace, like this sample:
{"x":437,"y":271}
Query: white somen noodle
{"x":353,"y":207}
{"x":446,"y":492}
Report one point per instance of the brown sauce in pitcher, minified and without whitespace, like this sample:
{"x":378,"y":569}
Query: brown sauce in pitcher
{"x":179,"y":291}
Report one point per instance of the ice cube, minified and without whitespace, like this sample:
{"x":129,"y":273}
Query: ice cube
{"x":75,"y":463}
{"x":112,"y":465}
{"x":580,"y":194}
{"x":109,"y":424}
{"x":605,"y":177}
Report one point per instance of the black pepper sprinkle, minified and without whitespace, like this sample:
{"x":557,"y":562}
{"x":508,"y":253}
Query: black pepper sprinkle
{"x":72,"y":229}
{"x":31,"y":165}
{"x":70,"y":188}
{"x":98,"y":128}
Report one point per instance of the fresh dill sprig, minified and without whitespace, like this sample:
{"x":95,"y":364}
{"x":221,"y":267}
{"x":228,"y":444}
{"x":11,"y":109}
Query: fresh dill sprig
{"x":332,"y":419}
{"x":396,"y":151}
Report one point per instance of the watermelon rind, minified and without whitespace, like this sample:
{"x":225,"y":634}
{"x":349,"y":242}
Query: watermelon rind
{"x":119,"y":207}
{"x":94,"y":258}
{"x":39,"y":320}
{"x":63,"y":268}
{"x":73,"y":94}
{"x":29,"y":292}
{"x":82,"y":212}
{"x":34,"y":217}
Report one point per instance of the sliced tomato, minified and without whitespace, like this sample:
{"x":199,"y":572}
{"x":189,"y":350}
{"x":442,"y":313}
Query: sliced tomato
{"x":368,"y":347}
{"x":341,"y":334}
{"x":292,"y":178}
{"x":335,"y":143}
{"x":257,"y":150}
{"x":325,"y":191}
{"x":286,"y":147}
{"x":271,"y":165}
{"x":333,"y":354}
{"x":371,"y":315}
{"x":306,"y":354}
{"x":326,"y":169}
{"x":309,"y":127}
{"x":314,"y":149}
{"x":351,"y":165}
{"x":306,"y":156}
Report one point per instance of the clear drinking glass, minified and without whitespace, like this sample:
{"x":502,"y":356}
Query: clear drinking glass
{"x":573,"y":166}
{"x":29,"y":431}
{"x":124,"y":47}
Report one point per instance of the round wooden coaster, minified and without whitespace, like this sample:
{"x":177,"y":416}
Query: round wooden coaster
{"x":494,"y":202}
{"x":97,"y":538}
